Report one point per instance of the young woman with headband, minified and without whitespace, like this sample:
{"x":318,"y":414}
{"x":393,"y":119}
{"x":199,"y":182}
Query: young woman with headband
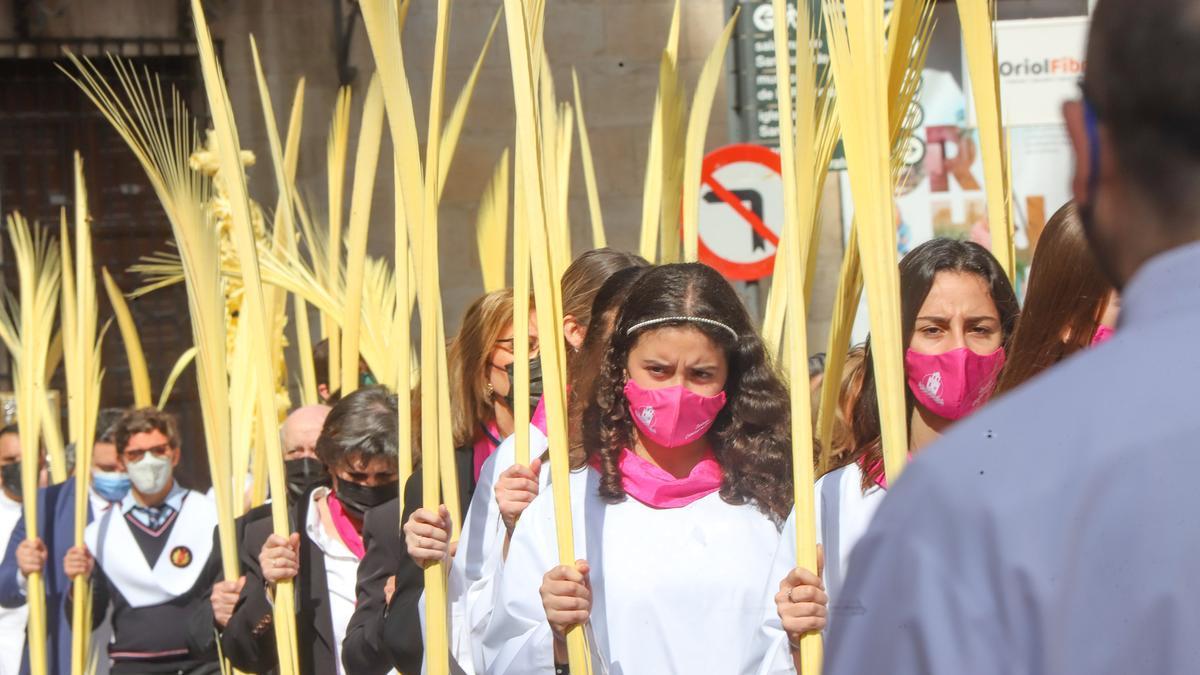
{"x":958,"y":311}
{"x":483,"y":535}
{"x":676,"y":504}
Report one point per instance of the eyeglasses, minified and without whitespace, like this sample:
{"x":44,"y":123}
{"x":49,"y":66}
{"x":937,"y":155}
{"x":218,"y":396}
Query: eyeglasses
{"x":135,"y":455}
{"x":509,"y":345}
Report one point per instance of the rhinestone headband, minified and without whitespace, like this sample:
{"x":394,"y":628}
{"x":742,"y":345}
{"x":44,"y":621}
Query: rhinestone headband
{"x":692,"y":319}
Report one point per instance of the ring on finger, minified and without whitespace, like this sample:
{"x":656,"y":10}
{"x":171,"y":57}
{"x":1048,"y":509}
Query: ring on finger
{"x":789,"y":595}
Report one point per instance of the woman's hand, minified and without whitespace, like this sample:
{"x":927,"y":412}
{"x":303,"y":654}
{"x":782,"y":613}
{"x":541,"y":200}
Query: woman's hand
{"x":515,"y":489}
{"x":280,"y":558}
{"x":801,"y":601}
{"x":567,"y":596}
{"x":427,"y":536}
{"x":78,"y":562}
{"x":31,"y":556}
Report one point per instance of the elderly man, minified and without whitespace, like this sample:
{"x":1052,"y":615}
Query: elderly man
{"x":305,"y":472}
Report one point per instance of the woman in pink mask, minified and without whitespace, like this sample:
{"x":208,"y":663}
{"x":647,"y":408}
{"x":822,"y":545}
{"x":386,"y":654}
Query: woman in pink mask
{"x":677,"y":506}
{"x":958,"y":311}
{"x":1069,"y":304}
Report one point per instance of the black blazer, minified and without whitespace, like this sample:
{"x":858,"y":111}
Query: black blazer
{"x":362,"y":648}
{"x":249,"y":639}
{"x":203,"y":626}
{"x":402,"y":639}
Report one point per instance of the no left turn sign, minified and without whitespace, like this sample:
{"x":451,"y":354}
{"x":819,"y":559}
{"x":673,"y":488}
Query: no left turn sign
{"x":741,"y":211}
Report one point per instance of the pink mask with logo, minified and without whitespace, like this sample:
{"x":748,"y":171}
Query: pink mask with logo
{"x":955,"y":383}
{"x":672,"y":416}
{"x":1103,"y":334}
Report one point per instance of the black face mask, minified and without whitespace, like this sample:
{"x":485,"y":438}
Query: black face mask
{"x":358,"y":499}
{"x":535,"y":383}
{"x":303,"y":475}
{"x":10,"y":478}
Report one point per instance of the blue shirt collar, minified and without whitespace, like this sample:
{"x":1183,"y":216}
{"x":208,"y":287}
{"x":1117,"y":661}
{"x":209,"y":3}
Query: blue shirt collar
{"x":1167,"y":284}
{"x":174,"y":499}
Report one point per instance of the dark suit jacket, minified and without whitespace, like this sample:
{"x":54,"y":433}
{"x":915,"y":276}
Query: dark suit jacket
{"x":57,"y":532}
{"x":362,"y":648}
{"x":402,"y":637}
{"x":249,"y":639}
{"x":202,"y":628}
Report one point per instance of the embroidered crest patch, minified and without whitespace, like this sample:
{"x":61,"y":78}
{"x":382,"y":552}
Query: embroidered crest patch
{"x":181,"y":556}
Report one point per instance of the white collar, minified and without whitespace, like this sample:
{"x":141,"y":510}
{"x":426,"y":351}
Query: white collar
{"x":174,"y":498}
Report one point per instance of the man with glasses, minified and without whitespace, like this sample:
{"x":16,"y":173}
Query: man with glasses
{"x":151,"y":555}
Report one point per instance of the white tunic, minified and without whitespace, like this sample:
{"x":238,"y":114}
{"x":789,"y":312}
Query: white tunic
{"x":674,"y":590}
{"x":843,"y":513}
{"x":479,"y":556}
{"x":12,"y":621}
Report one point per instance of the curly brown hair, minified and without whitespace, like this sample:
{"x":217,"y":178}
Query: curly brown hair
{"x":751,"y":435}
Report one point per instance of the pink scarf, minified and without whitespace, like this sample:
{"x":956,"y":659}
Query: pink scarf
{"x":539,"y":416}
{"x":486,"y":443}
{"x":349,"y":534}
{"x":655,"y":487}
{"x":876,"y":471}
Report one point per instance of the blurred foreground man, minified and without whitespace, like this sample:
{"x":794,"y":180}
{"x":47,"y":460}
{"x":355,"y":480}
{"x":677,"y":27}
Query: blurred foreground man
{"x":1053,"y":532}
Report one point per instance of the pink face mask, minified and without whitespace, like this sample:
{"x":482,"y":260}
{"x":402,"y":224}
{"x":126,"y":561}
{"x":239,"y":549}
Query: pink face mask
{"x":1103,"y":334}
{"x":672,"y":416}
{"x":953,"y":384}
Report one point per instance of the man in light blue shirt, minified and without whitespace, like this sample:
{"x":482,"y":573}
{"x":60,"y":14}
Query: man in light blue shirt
{"x":1056,"y":530}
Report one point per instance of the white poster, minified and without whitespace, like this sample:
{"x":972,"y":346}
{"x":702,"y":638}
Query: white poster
{"x":1040,"y":62}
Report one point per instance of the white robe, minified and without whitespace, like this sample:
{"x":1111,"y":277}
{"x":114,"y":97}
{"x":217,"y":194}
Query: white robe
{"x":479,"y":556}
{"x":674,"y":590}
{"x":843,"y":513}
{"x":12,"y":621}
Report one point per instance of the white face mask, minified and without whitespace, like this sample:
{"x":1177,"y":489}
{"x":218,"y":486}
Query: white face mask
{"x":150,"y":474}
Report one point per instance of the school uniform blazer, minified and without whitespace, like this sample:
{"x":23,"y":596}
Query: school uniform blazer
{"x":402,"y":638}
{"x":57,"y":532}
{"x":249,"y":639}
{"x":362,"y":648}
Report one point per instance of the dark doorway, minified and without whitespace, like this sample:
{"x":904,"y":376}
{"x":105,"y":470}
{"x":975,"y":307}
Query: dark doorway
{"x":44,"y":119}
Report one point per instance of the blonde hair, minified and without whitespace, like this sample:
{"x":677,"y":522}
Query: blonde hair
{"x":468,"y":359}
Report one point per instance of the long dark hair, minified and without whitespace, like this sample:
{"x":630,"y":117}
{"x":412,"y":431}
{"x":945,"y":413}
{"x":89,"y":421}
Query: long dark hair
{"x":918,"y":270}
{"x":750,"y":437}
{"x":1067,"y":295}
